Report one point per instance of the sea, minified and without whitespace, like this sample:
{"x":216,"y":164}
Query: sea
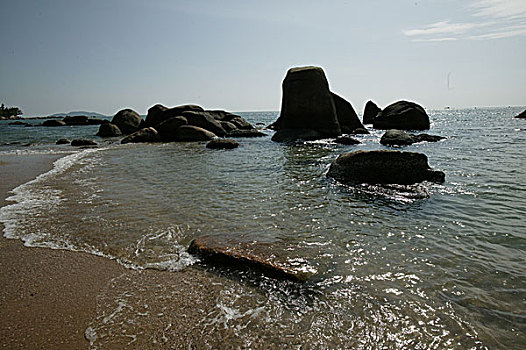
{"x":429,"y":266}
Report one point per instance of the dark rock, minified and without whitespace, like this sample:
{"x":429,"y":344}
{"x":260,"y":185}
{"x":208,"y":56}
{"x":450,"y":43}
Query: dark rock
{"x":128,"y":121}
{"x":228,"y":126}
{"x":109,"y":130}
{"x":53,"y":122}
{"x":395,"y":137}
{"x":362,"y":131}
{"x":222,"y":144}
{"x":521,"y":115}
{"x":222,"y":115}
{"x":205,"y":121}
{"x":237,"y":258}
{"x":428,"y":138}
{"x":241,"y":123}
{"x":143,"y":135}
{"x":159,"y":113}
{"x":191,"y":133}
{"x":383,"y":167}
{"x":347,"y":117}
{"x":402,"y":115}
{"x":346,"y":140}
{"x":307,"y":107}
{"x":83,"y":142}
{"x":20,"y":123}
{"x":97,"y":121}
{"x":76,"y":120}
{"x":246,"y":133}
{"x":63,"y":142}
{"x":370,"y":112}
{"x":168,"y":128}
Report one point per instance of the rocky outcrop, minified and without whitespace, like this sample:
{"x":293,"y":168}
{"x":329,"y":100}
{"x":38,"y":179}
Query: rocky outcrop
{"x":128,"y":121}
{"x":159,"y":113}
{"x":205,"y":121}
{"x":168,"y":128}
{"x":212,"y":253}
{"x":395,"y":137}
{"x":370,"y":112}
{"x":83,"y":143}
{"x":383,"y":167}
{"x":308,"y":111}
{"x":222,"y":144}
{"x":141,"y":136}
{"x":189,"y":133}
{"x":76,"y":120}
{"x":53,"y":122}
{"x":521,"y":115}
{"x":402,"y":115}
{"x":109,"y":130}
{"x":346,"y":115}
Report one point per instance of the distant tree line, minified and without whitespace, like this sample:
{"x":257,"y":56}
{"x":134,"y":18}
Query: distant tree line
{"x":9,"y":111}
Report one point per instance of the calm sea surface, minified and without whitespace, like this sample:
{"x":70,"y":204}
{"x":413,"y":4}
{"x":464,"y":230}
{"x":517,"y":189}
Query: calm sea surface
{"x":429,"y":267}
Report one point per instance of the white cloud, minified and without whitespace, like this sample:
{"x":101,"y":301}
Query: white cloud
{"x":491,"y":19}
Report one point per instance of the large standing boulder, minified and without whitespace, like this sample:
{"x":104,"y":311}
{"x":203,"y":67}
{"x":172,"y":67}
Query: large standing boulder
{"x":383,"y":167}
{"x":307,"y":107}
{"x":143,"y":135}
{"x":168,"y":128}
{"x":347,"y":117}
{"x":205,"y":121}
{"x":109,"y":130}
{"x":190,"y":133}
{"x":402,"y":115}
{"x":370,"y":112}
{"x":159,"y":113}
{"x":128,"y":121}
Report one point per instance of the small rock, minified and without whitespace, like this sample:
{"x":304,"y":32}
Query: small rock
{"x":63,"y":142}
{"x":346,"y":140}
{"x":246,"y":133}
{"x":109,"y":130}
{"x":20,"y":123}
{"x":222,"y":144}
{"x":83,"y":142}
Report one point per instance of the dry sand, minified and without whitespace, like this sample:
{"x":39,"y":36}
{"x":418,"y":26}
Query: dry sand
{"x":47,"y":297}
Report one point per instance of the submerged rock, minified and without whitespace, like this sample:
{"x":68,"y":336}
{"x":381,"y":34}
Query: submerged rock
{"x":233,"y":257}
{"x":222,"y":144}
{"x":308,"y":111}
{"x":109,"y":130}
{"x":383,"y":167}
{"x":128,"y":121}
{"x":370,"y":112}
{"x":141,"y":136}
{"x":395,"y":137}
{"x":83,"y":142}
{"x":402,"y":115}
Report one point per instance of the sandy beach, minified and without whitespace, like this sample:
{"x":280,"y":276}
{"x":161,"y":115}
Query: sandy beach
{"x":48,"y":297}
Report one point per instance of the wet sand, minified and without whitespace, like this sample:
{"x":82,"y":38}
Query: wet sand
{"x":48,"y":297}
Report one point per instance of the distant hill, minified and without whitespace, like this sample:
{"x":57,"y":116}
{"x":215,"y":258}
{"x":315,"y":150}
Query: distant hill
{"x":73,"y":114}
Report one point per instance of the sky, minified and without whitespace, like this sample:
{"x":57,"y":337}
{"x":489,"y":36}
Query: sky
{"x":105,"y":55}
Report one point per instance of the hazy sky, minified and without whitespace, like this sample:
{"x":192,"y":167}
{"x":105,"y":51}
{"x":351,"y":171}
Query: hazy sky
{"x":104,"y":55}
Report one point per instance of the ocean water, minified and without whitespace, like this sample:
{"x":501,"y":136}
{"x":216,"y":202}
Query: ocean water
{"x":429,"y":266}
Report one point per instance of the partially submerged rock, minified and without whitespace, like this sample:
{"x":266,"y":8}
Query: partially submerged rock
{"x":83,"y":143}
{"x":230,"y":256}
{"x":383,"y":167}
{"x":63,"y":142}
{"x":222,"y":144}
{"x":346,"y":115}
{"x":395,"y":137}
{"x":189,"y":133}
{"x":370,"y":112}
{"x":53,"y":122}
{"x":141,"y":136}
{"x":346,"y":140}
{"x":76,"y":120}
{"x":402,"y":115}
{"x":307,"y":108}
{"x":128,"y":121}
{"x":109,"y":130}
{"x":521,"y":115}
{"x":246,"y":133}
